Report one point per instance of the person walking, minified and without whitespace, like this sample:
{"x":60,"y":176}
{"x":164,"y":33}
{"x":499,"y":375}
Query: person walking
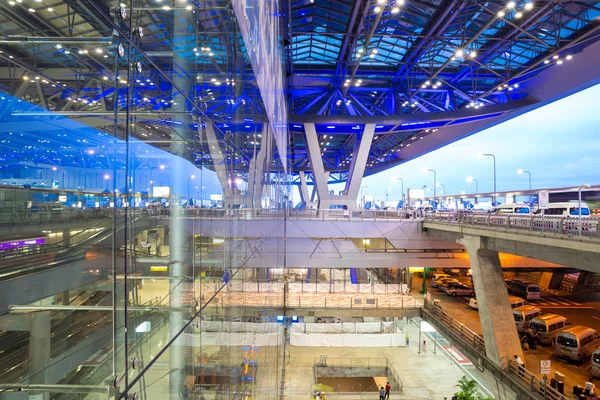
{"x":387,"y":391}
{"x":382,"y":393}
{"x":590,"y":389}
{"x":521,"y":365}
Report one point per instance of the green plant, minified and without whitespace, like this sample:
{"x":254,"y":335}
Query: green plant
{"x":468,"y":390}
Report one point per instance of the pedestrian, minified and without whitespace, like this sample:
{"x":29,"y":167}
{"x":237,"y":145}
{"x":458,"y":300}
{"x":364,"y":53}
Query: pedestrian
{"x":590,"y":389}
{"x":520,"y":364}
{"x":382,"y":393}
{"x":387,"y":391}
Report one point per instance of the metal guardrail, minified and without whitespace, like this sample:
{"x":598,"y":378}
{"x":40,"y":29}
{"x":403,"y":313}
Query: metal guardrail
{"x":590,"y":227}
{"x":574,"y":288}
{"x":525,"y":380}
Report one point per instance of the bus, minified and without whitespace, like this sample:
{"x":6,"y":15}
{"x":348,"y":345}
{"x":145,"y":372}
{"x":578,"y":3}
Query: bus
{"x":526,"y":290}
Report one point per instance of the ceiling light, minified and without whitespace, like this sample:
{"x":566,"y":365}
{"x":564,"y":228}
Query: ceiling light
{"x":546,"y":61}
{"x":518,"y":15}
{"x":528,"y":6}
{"x":346,"y":84}
{"x":381,"y":1}
{"x":360,"y":50}
{"x":377,"y":9}
{"x":25,"y":78}
{"x":395,"y":10}
{"x":371,"y":55}
{"x":99,"y":51}
{"x":568,"y":57}
{"x":473,"y":54}
{"x":12,"y":3}
{"x":459,"y":53}
{"x":31,"y":10}
{"x":189,"y":8}
{"x":374,"y":51}
{"x":59,"y":46}
{"x":501,"y":14}
{"x":556,"y":57}
{"x":166,"y":8}
{"x":559,"y":62}
{"x":516,"y":85}
{"x":510,"y":5}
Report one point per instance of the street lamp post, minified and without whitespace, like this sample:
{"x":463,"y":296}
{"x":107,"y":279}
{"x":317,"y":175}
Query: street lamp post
{"x":470,"y":179}
{"x":362,"y":198}
{"x":580,"y":218}
{"x":396,"y":179}
{"x":106,"y":178}
{"x":521,"y":172}
{"x":387,"y":194}
{"x":443,"y":188}
{"x":434,"y":180}
{"x":494,"y":157}
{"x":188,"y":188}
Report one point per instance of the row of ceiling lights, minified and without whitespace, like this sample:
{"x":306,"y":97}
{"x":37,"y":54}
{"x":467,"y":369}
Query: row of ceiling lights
{"x":382,"y":3}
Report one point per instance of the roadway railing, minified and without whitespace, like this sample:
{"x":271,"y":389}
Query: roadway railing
{"x":533,"y":223}
{"x":290,"y":214}
{"x":526,"y":381}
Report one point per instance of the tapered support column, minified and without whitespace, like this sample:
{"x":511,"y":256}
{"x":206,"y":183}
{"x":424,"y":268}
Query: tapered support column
{"x":355,"y":173}
{"x":551,"y":280}
{"x":307,"y":200}
{"x":39,"y":351}
{"x":497,"y":321}
{"x":256,"y":170}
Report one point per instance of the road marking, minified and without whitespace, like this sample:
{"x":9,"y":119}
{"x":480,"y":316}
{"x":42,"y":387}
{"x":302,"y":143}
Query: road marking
{"x":593,"y":316}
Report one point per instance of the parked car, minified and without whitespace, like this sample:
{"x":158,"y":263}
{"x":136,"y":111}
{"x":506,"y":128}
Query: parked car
{"x":452,"y":271}
{"x":460,"y":290}
{"x":447,"y":282}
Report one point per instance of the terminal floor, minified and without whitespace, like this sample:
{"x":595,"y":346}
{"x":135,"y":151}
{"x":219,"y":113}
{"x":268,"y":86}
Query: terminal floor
{"x":425,"y":375}
{"x":575,"y":373}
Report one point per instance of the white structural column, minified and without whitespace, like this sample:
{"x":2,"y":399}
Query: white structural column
{"x":355,"y":173}
{"x":497,"y":321}
{"x":307,"y":200}
{"x":256,"y":170}
{"x":218,"y":158}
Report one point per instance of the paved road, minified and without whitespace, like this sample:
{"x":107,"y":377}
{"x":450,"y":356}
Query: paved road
{"x":573,"y":307}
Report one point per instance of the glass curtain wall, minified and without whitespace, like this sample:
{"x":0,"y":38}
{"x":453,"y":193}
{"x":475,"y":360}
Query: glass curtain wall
{"x":142,"y":203}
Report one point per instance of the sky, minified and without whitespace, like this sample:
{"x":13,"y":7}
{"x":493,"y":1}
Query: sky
{"x":558,"y":143}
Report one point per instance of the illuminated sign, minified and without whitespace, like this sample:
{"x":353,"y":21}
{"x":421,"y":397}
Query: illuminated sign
{"x":161,"y":268}
{"x":161,"y":191}
{"x":62,"y":199}
{"x":216,"y":197}
{"x":416,"y":193}
{"x":144,"y":327}
{"x":20,"y":243}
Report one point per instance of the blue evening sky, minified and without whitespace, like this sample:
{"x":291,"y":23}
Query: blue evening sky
{"x":559,"y":143}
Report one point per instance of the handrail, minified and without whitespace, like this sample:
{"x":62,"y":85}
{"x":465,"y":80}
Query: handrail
{"x":524,"y":379}
{"x":590,"y":227}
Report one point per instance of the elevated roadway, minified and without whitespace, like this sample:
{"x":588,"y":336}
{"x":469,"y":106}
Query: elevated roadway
{"x":553,"y":239}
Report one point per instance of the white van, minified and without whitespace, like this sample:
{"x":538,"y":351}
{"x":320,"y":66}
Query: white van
{"x":566,"y":209}
{"x":514,"y":208}
{"x":576,"y":343}
{"x":596,"y":363}
{"x":526,"y":290}
{"x":523,"y":315}
{"x":515,"y":302}
{"x":548,"y":326}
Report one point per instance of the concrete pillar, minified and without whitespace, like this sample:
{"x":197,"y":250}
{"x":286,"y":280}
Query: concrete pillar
{"x":66,"y":298}
{"x":551,"y":280}
{"x":307,"y":199}
{"x":584,"y":278}
{"x":497,"y":322}
{"x":66,"y":238}
{"x":39,"y":351}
